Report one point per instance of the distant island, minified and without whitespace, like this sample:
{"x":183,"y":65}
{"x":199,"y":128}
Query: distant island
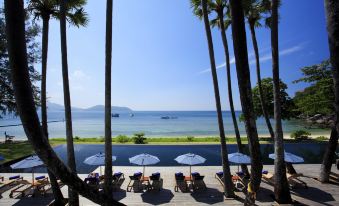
{"x":53,"y":107}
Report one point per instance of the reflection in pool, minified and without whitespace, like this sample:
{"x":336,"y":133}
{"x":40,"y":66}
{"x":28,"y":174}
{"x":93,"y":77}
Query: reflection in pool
{"x":311,"y":152}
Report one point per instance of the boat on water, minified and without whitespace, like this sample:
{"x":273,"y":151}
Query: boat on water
{"x":165,"y":117}
{"x":115,"y":115}
{"x":131,"y":115}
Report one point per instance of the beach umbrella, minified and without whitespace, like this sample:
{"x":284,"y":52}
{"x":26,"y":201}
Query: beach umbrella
{"x":289,"y":157}
{"x":190,"y":159}
{"x":30,"y":162}
{"x":239,"y":158}
{"x":98,"y":160}
{"x":143,"y":160}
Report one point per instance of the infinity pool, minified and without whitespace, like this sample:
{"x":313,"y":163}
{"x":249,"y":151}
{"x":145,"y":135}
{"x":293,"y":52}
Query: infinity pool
{"x":311,"y":152}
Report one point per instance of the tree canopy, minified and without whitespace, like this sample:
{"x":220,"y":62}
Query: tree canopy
{"x":317,"y":98}
{"x":287,"y":105}
{"x":7,"y":100}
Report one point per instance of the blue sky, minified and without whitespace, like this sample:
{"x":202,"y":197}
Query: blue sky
{"x":160,"y":58}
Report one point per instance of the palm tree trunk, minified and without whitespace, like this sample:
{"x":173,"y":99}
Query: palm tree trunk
{"x":244,"y":83}
{"x":332,"y":16}
{"x":108,"y":108}
{"x":229,"y":88}
{"x":228,"y":185}
{"x":59,"y":199}
{"x":261,"y":93}
{"x":281,"y":187}
{"x":72,"y":194}
{"x":15,"y":34}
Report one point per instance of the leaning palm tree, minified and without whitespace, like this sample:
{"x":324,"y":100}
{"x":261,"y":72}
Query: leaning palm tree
{"x":281,"y":187}
{"x":253,"y":12}
{"x":220,"y":7}
{"x":244,"y":83}
{"x":200,"y":6}
{"x":78,"y":14}
{"x":332,"y":14}
{"x":108,"y":108}
{"x":47,"y":9}
{"x":22,"y":86}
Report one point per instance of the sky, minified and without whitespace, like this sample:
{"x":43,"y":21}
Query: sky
{"x":160,"y":58}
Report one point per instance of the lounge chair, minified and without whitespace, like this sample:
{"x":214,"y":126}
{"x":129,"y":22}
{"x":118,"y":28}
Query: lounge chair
{"x":237,"y":181}
{"x":118,"y":180}
{"x":268,"y":177}
{"x":198,"y":181}
{"x":31,"y":188}
{"x":180,"y":182}
{"x":93,"y":180}
{"x":135,"y":183}
{"x":157,"y":181}
{"x":295,"y":181}
{"x":10,"y":183}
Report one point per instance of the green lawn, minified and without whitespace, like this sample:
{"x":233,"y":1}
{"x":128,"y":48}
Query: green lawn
{"x":15,"y":150}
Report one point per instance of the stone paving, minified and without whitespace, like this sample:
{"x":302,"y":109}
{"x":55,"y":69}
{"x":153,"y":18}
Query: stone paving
{"x":315,"y":194}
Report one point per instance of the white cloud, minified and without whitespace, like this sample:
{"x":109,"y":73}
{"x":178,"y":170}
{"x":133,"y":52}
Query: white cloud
{"x":79,"y":75}
{"x":265,"y":58}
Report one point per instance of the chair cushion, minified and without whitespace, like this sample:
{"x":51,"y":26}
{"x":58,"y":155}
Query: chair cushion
{"x":195,"y":174}
{"x":265,"y":172}
{"x":179,"y":174}
{"x":40,"y":177}
{"x":14,"y":177}
{"x":138,"y":174}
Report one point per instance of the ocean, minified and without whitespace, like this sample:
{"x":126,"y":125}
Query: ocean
{"x":180,"y":123}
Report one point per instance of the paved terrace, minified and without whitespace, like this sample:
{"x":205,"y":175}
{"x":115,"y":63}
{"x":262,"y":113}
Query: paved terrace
{"x":316,"y":194}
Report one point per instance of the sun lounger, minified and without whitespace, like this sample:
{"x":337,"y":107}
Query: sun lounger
{"x":180,"y":182}
{"x":237,"y":181}
{"x":198,"y":181}
{"x":157,"y":181}
{"x":295,"y":181}
{"x":92,"y":181}
{"x":118,"y":180}
{"x":10,"y":183}
{"x":31,"y":188}
{"x":135,"y":183}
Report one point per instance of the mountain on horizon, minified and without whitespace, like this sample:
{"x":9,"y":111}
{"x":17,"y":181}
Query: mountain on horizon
{"x":100,"y":108}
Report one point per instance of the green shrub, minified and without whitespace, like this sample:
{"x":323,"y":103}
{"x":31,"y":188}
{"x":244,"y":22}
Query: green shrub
{"x":139,"y":138}
{"x":321,"y":138}
{"x":101,"y":139}
{"x":300,"y":135}
{"x":190,"y":138}
{"x":122,"y":139}
{"x":76,"y":138}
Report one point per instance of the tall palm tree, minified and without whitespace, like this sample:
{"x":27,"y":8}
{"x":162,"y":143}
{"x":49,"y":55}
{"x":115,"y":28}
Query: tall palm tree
{"x":108,"y":108}
{"x":253,"y":10}
{"x":200,"y":6}
{"x":15,"y":34}
{"x":220,"y":7}
{"x":244,"y":83}
{"x":281,"y":187}
{"x":47,"y":9}
{"x":332,"y":16}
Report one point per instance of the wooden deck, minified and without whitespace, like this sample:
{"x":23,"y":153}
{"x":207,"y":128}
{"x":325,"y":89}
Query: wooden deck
{"x":315,"y":194}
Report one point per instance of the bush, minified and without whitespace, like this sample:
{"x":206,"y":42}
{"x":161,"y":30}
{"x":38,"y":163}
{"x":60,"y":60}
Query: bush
{"x":139,"y":138}
{"x":76,"y":138}
{"x":190,"y":138}
{"x":300,"y":135}
{"x":121,"y":139}
{"x":321,"y":138}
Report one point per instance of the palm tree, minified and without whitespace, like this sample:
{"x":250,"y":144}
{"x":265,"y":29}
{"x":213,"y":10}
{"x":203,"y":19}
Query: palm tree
{"x":219,"y":7}
{"x":244,"y":83}
{"x":332,"y":14}
{"x":253,"y":10}
{"x":281,"y":187}
{"x":108,"y":108}
{"x":200,"y":6}
{"x":15,"y":33}
{"x":47,"y":9}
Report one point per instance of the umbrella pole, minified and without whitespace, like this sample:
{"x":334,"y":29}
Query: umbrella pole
{"x":100,"y":170}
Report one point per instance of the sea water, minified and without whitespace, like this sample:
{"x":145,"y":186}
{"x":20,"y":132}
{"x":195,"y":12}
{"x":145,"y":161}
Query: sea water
{"x":180,"y":123}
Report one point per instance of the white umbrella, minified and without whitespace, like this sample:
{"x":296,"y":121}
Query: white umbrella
{"x":144,"y":159}
{"x":29,"y":162}
{"x":239,"y":158}
{"x":289,"y":157}
{"x":190,"y":159}
{"x":98,"y":160}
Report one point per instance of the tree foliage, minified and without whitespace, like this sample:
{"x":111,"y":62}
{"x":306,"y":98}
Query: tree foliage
{"x":317,"y":98}
{"x":7,"y":100}
{"x":287,"y":105}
